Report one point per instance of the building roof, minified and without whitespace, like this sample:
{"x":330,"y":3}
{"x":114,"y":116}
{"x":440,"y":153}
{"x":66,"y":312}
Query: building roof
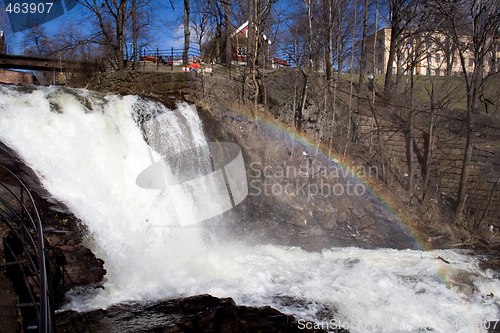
{"x":242,"y":27}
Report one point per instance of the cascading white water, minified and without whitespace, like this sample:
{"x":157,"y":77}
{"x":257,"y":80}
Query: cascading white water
{"x":88,"y":149}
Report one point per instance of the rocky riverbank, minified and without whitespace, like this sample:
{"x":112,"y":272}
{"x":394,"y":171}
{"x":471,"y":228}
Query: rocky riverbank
{"x":72,"y":264}
{"x":359,"y":141}
{"x":203,"y":313}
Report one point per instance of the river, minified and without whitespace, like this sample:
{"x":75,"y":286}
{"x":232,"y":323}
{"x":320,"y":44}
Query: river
{"x":88,"y":149}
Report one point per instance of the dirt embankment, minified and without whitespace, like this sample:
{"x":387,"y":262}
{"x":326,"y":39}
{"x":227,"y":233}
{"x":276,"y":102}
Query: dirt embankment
{"x":345,"y":123}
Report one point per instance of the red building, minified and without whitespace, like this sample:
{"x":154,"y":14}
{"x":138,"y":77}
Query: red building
{"x":277,"y":62}
{"x":239,"y":44}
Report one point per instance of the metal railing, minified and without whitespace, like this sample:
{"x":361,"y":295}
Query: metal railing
{"x":159,"y":57}
{"x":26,"y":261}
{"x":170,"y":53}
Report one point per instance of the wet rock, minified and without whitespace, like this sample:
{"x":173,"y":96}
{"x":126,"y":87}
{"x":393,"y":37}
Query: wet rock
{"x":203,"y":313}
{"x":8,"y":299}
{"x":71,"y":263}
{"x":294,"y":193}
{"x":80,"y":266}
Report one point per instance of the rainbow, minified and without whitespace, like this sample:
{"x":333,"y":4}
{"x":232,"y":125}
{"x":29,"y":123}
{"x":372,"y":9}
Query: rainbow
{"x":387,"y":200}
{"x":322,"y":151}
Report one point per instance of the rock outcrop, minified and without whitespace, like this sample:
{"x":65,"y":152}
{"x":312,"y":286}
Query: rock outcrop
{"x":203,"y":313}
{"x":71,"y":263}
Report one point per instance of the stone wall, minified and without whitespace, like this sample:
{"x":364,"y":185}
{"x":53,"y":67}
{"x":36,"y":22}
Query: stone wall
{"x":446,"y":164}
{"x":15,"y":77}
{"x":143,"y":83}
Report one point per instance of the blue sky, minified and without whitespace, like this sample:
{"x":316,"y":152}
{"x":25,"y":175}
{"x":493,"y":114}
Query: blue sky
{"x":171,"y":35}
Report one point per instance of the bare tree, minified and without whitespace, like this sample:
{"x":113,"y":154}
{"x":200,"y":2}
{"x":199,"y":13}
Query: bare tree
{"x":229,"y":28}
{"x":134,"y":31}
{"x":36,"y":42}
{"x":474,"y":26}
{"x":115,"y":24}
{"x":187,"y":33}
{"x":402,"y":14}
{"x":363,"y":42}
{"x":258,"y":13}
{"x":328,"y":13}
{"x":201,"y":23}
{"x":110,"y":16}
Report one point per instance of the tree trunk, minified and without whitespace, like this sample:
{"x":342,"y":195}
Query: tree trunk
{"x":399,"y":70}
{"x":472,"y":103}
{"x":379,"y":139}
{"x":254,"y":78}
{"x":120,"y":35}
{"x":134,"y":32}
{"x":488,"y":205}
{"x":390,"y":62}
{"x":218,"y":43}
{"x":362,"y":69}
{"x":464,"y":175}
{"x":339,"y":42}
{"x":227,"y":19}
{"x":395,"y":30}
{"x":410,"y":139}
{"x":310,"y":37}
{"x":339,"y":69}
{"x":300,"y":113}
{"x":301,"y":109}
{"x":187,"y":33}
{"x":449,"y":64}
{"x":251,"y":34}
{"x":329,"y":44}
{"x":351,"y":87}
{"x":374,"y":51}
{"x":432,"y":132}
{"x":373,"y":86}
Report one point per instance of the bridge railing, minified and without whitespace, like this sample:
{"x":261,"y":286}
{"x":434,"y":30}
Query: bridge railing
{"x":171,"y":54}
{"x":156,"y":59}
{"x":25,"y":254}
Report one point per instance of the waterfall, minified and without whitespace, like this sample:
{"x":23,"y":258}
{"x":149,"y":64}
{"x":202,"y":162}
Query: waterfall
{"x":88,"y":150}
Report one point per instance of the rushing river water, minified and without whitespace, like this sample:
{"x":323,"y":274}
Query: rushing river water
{"x":88,"y":150}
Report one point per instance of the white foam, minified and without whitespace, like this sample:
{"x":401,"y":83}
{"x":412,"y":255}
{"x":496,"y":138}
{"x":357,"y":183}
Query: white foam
{"x":90,"y":160}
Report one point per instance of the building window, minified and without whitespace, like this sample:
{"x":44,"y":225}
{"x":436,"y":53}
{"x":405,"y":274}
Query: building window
{"x":364,"y":64}
{"x":242,"y":51}
{"x":380,"y":43}
{"x":438,"y":58}
{"x":438,"y":72}
{"x":380,"y":58}
{"x":471,"y":62}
